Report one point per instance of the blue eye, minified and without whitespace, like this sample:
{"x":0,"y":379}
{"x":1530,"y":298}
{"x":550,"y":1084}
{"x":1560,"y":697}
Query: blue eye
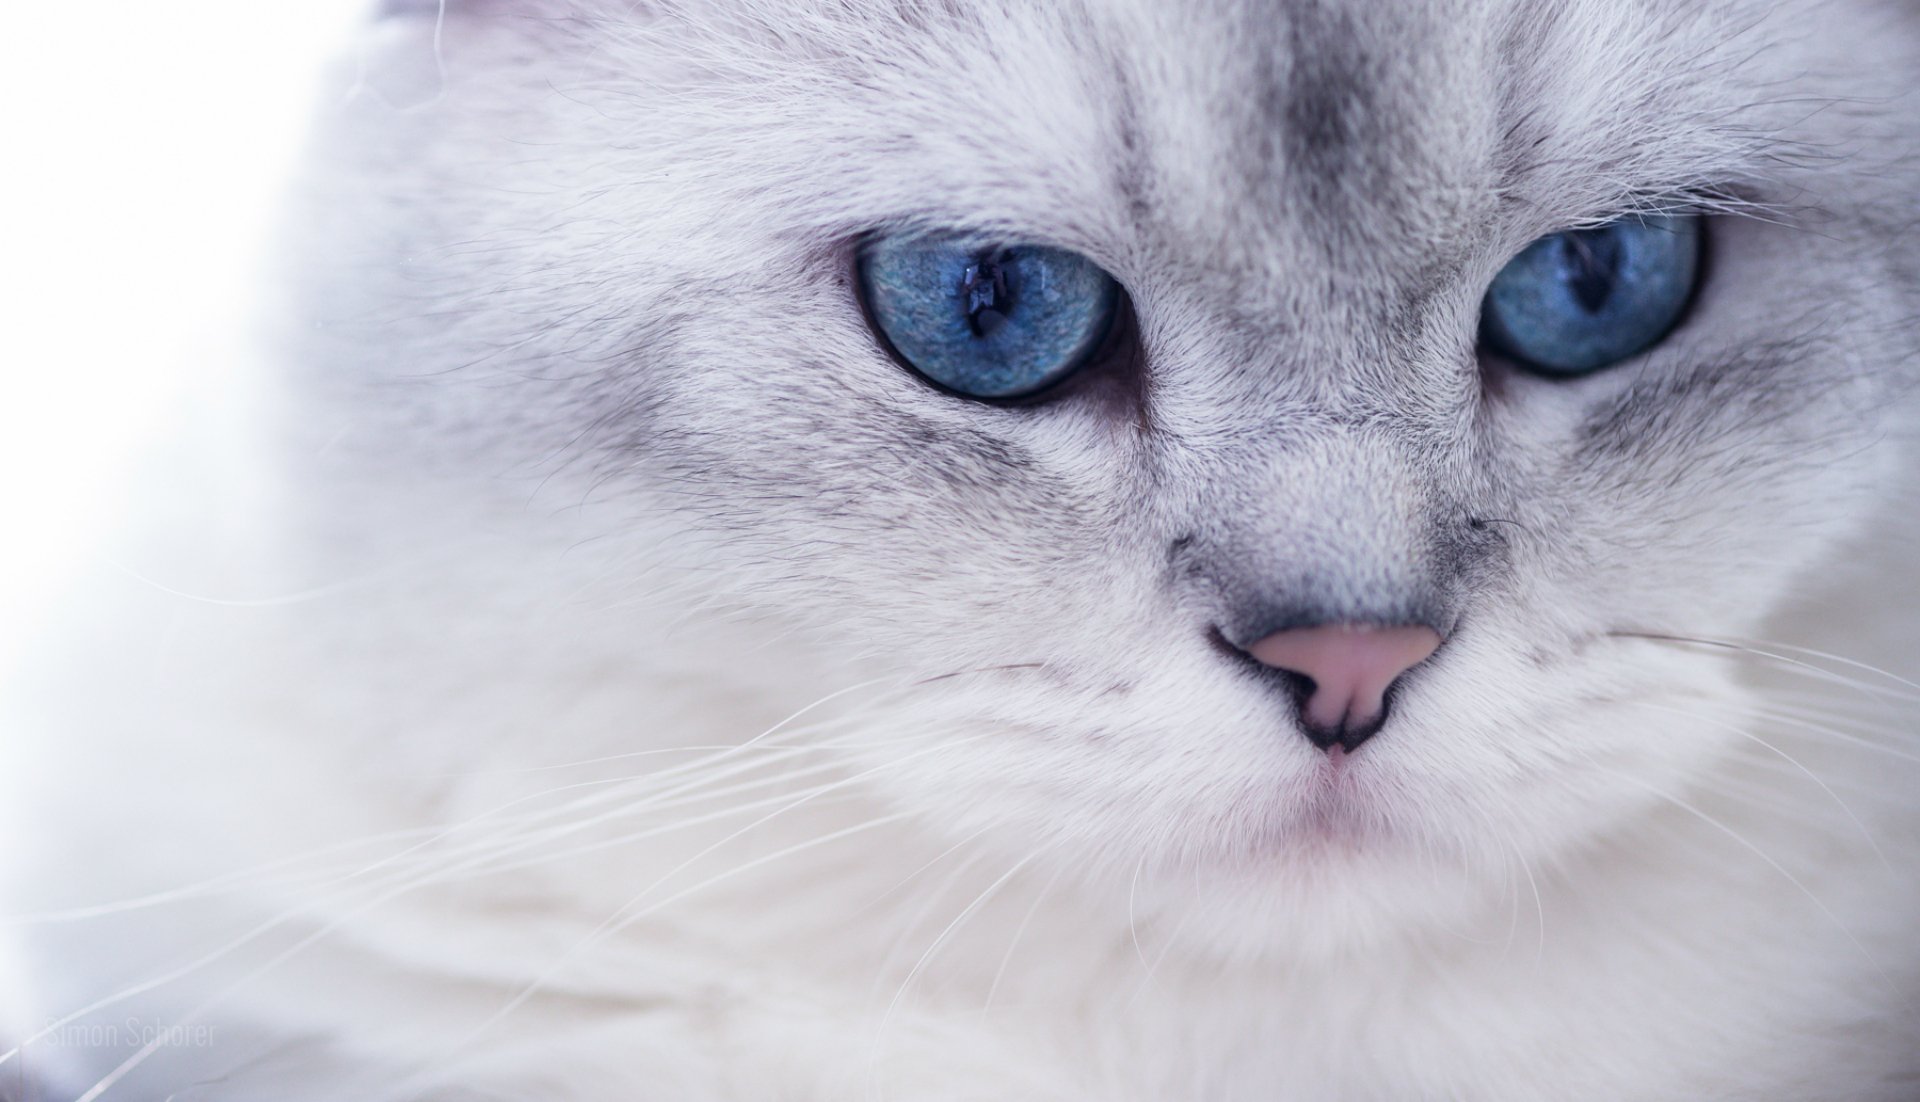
{"x":1578,"y":301}
{"x":987,"y":321}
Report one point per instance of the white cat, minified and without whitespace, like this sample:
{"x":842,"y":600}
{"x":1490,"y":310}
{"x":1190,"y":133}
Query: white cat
{"x":1106,"y":551}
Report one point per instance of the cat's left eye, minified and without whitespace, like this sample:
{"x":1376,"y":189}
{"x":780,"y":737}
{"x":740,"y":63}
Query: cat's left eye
{"x":987,"y":321}
{"x":1575,"y":302}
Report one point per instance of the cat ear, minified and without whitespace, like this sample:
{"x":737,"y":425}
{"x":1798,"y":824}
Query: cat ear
{"x":454,"y":9}
{"x":403,"y":54}
{"x":442,"y":9}
{"x":403,"y":9}
{"x":410,"y":46}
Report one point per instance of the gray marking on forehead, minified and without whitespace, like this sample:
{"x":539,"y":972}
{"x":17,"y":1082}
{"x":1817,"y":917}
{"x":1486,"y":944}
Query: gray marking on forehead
{"x":1326,"y":110}
{"x":1341,"y":147}
{"x":1134,"y":169}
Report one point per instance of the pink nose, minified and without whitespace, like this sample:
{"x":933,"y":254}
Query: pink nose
{"x":1351,"y":667}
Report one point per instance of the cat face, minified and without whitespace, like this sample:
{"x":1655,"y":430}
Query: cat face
{"x":1293,"y":419}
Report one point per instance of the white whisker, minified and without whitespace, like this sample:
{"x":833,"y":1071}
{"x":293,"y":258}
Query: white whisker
{"x":1019,"y":931}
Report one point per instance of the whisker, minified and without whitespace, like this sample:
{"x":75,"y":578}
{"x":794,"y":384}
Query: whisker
{"x":626,"y":915}
{"x":434,"y":833}
{"x":909,"y":924}
{"x":1782,"y":661}
{"x":136,"y":1059}
{"x":1539,"y":906}
{"x":1167,"y":944}
{"x":430,"y":861}
{"x":1013,"y":942}
{"x":1518,"y":857}
{"x":1845,"y":809}
{"x":1133,"y":928}
{"x":1843,"y":660}
{"x":1807,"y":723}
{"x":920,"y":965}
{"x":1764,"y":856}
{"x":600,"y":844}
{"x":407,"y":881}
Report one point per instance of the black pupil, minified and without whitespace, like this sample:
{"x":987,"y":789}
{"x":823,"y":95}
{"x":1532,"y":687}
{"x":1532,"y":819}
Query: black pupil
{"x":1591,"y":259}
{"x":989,"y":297}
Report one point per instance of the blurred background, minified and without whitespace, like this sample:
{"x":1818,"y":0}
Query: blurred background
{"x":143,"y":146}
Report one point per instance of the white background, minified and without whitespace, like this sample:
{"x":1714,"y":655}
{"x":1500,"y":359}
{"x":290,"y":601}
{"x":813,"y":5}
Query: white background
{"x":143,"y":144}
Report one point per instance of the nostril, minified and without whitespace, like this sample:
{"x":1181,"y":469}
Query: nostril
{"x":1341,"y":673}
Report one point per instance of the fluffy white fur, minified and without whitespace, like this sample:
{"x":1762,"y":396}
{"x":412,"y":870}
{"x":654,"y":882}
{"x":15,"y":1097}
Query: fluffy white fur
{"x":589,"y":668}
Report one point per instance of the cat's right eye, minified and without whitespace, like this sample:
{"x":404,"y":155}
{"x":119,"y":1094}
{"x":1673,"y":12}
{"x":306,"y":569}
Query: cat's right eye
{"x":987,"y":321}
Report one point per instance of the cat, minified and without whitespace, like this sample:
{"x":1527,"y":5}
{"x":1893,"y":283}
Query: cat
{"x":1245,"y":550}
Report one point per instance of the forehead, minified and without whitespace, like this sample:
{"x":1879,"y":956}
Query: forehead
{"x":1238,"y":129}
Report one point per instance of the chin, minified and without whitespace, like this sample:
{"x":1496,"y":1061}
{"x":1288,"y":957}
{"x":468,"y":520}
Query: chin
{"x":1318,"y":895}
